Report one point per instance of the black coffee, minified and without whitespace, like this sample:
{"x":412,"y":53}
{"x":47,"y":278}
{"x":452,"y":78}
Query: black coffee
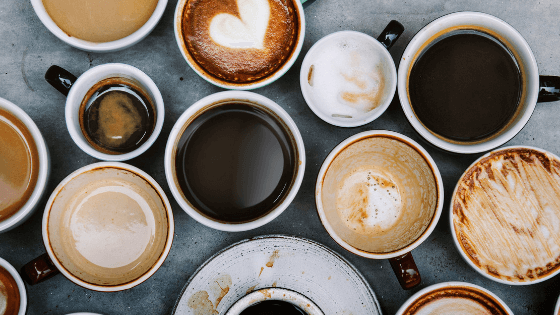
{"x":116,"y":116}
{"x":465,"y":87}
{"x":273,"y":307}
{"x":235,"y":162}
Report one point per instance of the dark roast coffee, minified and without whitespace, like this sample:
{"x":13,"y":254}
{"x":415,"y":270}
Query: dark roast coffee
{"x":273,"y":307}
{"x":235,"y":162}
{"x":116,"y":116}
{"x":465,"y":87}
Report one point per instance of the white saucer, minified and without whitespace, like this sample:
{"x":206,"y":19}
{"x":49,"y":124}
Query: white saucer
{"x":293,"y":263}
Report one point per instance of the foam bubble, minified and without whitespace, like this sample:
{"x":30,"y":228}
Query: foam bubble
{"x":453,"y":305}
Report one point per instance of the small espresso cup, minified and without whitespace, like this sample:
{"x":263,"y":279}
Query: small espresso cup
{"x":450,"y":297}
{"x":379,"y":195}
{"x":132,"y":116}
{"x":13,"y":296}
{"x":241,"y":48}
{"x":496,"y":127}
{"x":272,"y":296}
{"x":111,"y":46}
{"x":106,"y":227}
{"x":26,"y":166}
{"x":348,"y":78}
{"x":234,"y":160}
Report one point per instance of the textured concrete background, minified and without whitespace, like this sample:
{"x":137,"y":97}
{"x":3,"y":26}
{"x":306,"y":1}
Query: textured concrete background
{"x":27,"y":49}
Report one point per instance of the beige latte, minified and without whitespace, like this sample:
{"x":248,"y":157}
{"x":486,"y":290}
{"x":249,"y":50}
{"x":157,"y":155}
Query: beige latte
{"x":239,"y":41}
{"x":506,"y":214}
{"x":9,"y":294}
{"x":100,"y":20}
{"x":379,"y":194}
{"x":108,"y":226}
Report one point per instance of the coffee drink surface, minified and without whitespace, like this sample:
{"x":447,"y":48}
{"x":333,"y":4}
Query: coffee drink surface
{"x":108,"y":226}
{"x":506,"y":214}
{"x":465,"y":87}
{"x":240,"y":41}
{"x":19,"y":164}
{"x":100,"y":20}
{"x":9,"y":294}
{"x":117,"y":116}
{"x":235,"y":162}
{"x":273,"y":307}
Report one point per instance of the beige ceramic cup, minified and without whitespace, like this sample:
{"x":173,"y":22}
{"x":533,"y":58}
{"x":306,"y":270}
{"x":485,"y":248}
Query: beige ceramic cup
{"x":106,"y":227}
{"x":379,"y":194}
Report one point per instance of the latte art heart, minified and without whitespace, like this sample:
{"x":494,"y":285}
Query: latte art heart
{"x":247,"y":31}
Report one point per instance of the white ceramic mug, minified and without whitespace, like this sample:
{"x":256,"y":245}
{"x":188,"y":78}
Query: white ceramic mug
{"x":196,"y":109}
{"x":76,"y":90}
{"x":557,"y":308}
{"x":44,"y":168}
{"x":533,"y":88}
{"x":277,"y":294}
{"x":116,"y":45}
{"x":21,"y":286}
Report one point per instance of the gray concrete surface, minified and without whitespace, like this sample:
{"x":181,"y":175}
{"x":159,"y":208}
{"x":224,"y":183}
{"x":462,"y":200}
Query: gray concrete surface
{"x":27,"y":49}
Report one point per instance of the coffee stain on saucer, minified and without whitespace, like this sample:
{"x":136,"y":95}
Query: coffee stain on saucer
{"x":262,"y":268}
{"x":272,"y":259}
{"x":200,"y":302}
{"x":251,"y":289}
{"x":274,"y":284}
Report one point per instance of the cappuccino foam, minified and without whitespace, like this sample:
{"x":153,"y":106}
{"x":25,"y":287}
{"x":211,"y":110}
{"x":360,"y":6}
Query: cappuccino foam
{"x":9,"y":294}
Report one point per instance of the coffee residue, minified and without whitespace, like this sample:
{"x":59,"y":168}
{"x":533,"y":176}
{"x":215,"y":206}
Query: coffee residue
{"x":272,"y":259}
{"x":200,"y":302}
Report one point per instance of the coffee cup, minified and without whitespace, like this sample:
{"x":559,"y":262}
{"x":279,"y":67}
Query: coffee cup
{"x":102,"y":26}
{"x":106,"y":227}
{"x":454,"y":298}
{"x":483,"y":103}
{"x":504,"y":218}
{"x":242,"y":46}
{"x":274,"y":301}
{"x":234,"y":160}
{"x":114,"y":112}
{"x":13,"y":296}
{"x":348,"y":78}
{"x":379,"y":195}
{"x":25,"y":166}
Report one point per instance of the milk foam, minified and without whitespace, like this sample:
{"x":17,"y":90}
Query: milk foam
{"x":346,"y":77}
{"x":247,"y":31}
{"x":453,"y":305}
{"x":368,"y":202}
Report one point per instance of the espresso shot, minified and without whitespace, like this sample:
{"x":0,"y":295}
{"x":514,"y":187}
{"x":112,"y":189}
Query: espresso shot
{"x":273,"y":307}
{"x":117,"y":116}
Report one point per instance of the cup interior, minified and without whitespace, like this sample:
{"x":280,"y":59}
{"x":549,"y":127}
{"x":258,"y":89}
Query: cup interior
{"x":21,"y":286}
{"x":275,"y":294}
{"x":83,"y":85}
{"x":348,"y":79}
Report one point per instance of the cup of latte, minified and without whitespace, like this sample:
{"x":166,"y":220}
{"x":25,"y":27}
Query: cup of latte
{"x":114,"y":112}
{"x":241,"y":44}
{"x":24,"y":166}
{"x":100,"y":25}
{"x":107,"y":227}
{"x":13,"y":296}
{"x":454,"y":298}
{"x":379,"y":195}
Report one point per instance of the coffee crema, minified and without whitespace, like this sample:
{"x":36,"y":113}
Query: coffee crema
{"x":117,"y":116}
{"x":19,"y":164}
{"x":240,"y":41}
{"x":466,"y":86}
{"x":100,"y":20}
{"x":108,"y":226}
{"x":456,"y":300}
{"x":506,"y":214}
{"x":9,"y":294}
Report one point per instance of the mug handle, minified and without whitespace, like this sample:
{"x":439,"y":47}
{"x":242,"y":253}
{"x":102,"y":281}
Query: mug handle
{"x":60,"y":79}
{"x":38,"y":270}
{"x":549,"y":90}
{"x":406,"y":271}
{"x":390,"y":34}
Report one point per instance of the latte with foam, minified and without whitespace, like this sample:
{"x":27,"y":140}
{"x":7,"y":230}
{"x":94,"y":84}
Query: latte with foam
{"x":239,"y":41}
{"x":506,"y":214}
{"x":108,"y":226}
{"x":9,"y":294}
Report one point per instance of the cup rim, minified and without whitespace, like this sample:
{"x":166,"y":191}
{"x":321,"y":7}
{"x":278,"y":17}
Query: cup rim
{"x":21,"y":286}
{"x":147,"y":274}
{"x":319,"y":189}
{"x":278,"y":294}
{"x":74,"y":101}
{"x":176,"y":132}
{"x":177,"y":21}
{"x":452,"y":225}
{"x":557,"y":308}
{"x":44,"y":167}
{"x":408,"y":57}
{"x":434,"y":287}
{"x":339,"y":123}
{"x":111,"y":46}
